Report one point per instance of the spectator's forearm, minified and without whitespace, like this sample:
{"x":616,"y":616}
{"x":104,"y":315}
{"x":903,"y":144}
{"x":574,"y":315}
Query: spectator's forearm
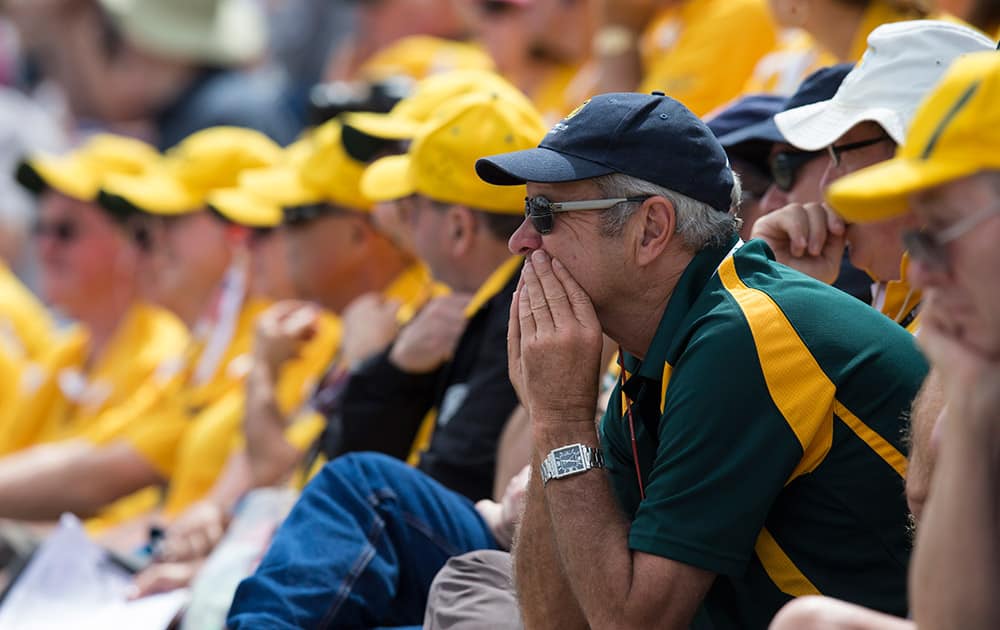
{"x":43,"y":482}
{"x":545,"y":596}
{"x":923,"y":418}
{"x":270,"y":455}
{"x":956,"y":567}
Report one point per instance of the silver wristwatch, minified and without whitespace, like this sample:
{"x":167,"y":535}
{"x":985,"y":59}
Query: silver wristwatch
{"x":570,"y":460}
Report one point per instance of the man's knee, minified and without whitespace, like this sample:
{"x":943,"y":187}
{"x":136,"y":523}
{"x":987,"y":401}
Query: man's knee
{"x":473,"y":590}
{"x":370,"y":467}
{"x":824,"y":613}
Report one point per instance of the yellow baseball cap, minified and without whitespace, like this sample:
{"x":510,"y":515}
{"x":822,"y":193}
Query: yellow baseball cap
{"x":314,"y":169}
{"x":331,"y":171}
{"x":419,"y":56}
{"x":245,"y":208}
{"x":428,"y":96}
{"x":955,"y":134}
{"x":79,"y":174}
{"x":282,"y":185}
{"x":441,"y":161}
{"x":207,"y":160}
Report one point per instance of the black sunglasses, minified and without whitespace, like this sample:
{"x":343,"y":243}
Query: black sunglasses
{"x":541,"y":211}
{"x":296,"y":216}
{"x":837,"y":151}
{"x":62,"y":231}
{"x":785,"y":166}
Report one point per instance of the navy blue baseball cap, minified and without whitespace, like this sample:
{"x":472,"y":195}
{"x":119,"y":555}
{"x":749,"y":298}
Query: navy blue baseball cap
{"x":742,"y":113}
{"x":648,"y":136}
{"x":818,"y":86}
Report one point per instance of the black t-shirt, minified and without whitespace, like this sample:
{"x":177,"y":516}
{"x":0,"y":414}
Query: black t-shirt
{"x":381,"y":407}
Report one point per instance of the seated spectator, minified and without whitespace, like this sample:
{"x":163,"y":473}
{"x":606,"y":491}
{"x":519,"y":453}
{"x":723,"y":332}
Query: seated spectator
{"x":633,"y":547}
{"x":174,"y":67}
{"x":26,"y":327}
{"x":700,"y":52}
{"x":948,"y":174}
{"x":842,"y":27}
{"x":368,"y":135}
{"x":860,"y":126}
{"x":380,"y":25}
{"x":88,"y":272}
{"x":553,"y":71}
{"x":795,"y":175}
{"x":213,"y":271}
{"x":423,"y":515}
{"x":134,"y":447}
{"x":292,"y":338}
{"x":748,"y":158}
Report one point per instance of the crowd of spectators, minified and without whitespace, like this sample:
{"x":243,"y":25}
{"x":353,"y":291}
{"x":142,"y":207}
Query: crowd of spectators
{"x":403,"y":313}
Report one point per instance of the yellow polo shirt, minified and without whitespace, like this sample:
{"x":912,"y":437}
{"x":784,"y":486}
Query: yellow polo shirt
{"x":782,"y":70}
{"x":563,"y":89}
{"x":63,"y":397}
{"x":218,"y":432}
{"x":702,"y":52}
{"x":26,"y":329}
{"x":900,"y":301}
{"x":156,"y":432}
{"x":879,"y":13}
{"x":419,"y":56}
{"x":413,"y":288}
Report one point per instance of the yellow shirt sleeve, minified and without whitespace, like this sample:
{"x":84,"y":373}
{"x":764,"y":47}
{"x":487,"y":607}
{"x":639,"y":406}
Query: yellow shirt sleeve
{"x":26,"y":329}
{"x":703,"y":53}
{"x":204,"y":450}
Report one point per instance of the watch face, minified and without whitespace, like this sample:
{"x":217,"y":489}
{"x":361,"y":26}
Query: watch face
{"x":568,"y":460}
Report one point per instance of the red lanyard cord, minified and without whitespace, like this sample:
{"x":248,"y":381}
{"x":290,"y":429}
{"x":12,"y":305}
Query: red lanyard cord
{"x":631,"y":421}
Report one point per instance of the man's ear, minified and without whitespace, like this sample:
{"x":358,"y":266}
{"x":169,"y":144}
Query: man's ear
{"x":655,"y":230}
{"x":460,"y":226}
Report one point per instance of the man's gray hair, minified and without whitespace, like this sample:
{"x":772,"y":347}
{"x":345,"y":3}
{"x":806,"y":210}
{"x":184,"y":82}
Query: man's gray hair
{"x":699,"y":224}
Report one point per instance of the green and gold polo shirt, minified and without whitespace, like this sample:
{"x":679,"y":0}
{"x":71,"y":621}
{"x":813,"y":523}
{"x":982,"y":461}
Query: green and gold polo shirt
{"x":768,"y":415}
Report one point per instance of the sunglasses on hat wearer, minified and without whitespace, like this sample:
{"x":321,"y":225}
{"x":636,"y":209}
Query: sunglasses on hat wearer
{"x":837,"y":151}
{"x":64,"y":231}
{"x":541,"y":211}
{"x":297,"y":216}
{"x":785,"y":166}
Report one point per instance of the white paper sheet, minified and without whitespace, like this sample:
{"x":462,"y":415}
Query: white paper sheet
{"x":70,"y":583}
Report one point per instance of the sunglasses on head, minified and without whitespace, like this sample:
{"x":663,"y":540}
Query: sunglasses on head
{"x":541,"y":211}
{"x":64,"y":231}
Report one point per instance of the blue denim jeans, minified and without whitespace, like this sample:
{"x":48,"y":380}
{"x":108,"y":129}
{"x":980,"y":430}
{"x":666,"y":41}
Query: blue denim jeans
{"x":359,"y":549}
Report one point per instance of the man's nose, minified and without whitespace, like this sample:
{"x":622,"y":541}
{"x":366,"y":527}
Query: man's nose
{"x":525,"y":239}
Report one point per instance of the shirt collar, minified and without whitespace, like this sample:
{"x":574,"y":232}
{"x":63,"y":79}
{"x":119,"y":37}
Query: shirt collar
{"x":691,"y":284}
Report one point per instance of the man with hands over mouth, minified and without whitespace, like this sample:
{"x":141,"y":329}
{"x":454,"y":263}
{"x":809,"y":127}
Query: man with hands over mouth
{"x":706,"y":498}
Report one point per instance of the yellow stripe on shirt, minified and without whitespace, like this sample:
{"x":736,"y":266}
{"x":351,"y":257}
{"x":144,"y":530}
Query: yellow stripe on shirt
{"x":780,"y":568}
{"x":782,"y":356}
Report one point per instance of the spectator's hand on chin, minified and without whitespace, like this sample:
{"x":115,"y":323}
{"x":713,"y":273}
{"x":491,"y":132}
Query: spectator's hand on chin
{"x":969,"y":378}
{"x":807,"y":237}
{"x":554,"y":344}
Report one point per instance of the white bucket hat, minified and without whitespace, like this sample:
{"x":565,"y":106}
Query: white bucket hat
{"x":216,"y":32}
{"x":904,"y":61}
